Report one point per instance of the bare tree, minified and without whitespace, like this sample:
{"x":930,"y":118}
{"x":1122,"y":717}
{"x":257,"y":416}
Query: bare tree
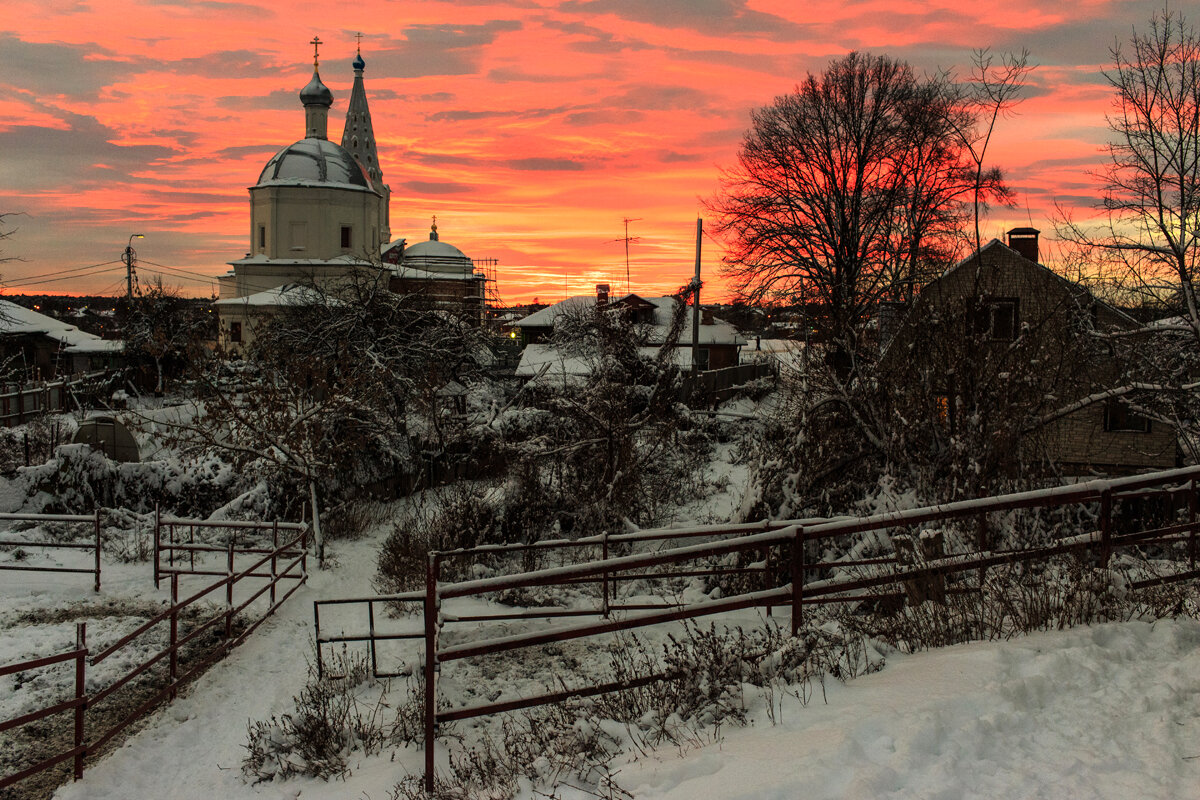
{"x":328,"y":386}
{"x":1152,"y":185}
{"x":167,"y":329}
{"x":1146,"y":248}
{"x":5,"y":233}
{"x":846,"y":186}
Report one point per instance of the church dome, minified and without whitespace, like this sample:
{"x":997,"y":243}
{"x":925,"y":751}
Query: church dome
{"x":314,"y":161}
{"x":436,"y":256}
{"x":316,"y":93}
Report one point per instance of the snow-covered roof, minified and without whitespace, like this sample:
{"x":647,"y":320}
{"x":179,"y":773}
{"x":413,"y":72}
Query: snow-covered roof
{"x":259,"y":258}
{"x":536,"y":357}
{"x":289,"y":294}
{"x":315,"y":162}
{"x":16,"y":319}
{"x":719,"y":332}
{"x":412,"y":273}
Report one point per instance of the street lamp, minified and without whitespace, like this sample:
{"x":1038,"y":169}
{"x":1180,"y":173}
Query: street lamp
{"x":129,"y":268}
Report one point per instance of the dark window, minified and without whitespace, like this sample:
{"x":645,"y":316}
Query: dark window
{"x":994,"y":318}
{"x":346,"y":236}
{"x":1119,"y":417}
{"x":235,"y":331}
{"x":262,"y":237}
{"x":702,"y":360}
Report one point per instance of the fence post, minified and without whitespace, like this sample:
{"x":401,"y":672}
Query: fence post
{"x":604,"y":601}
{"x":432,"y":618}
{"x":1192,"y":502}
{"x":317,"y":636}
{"x":229,"y":591}
{"x":174,"y":663}
{"x":96,"y":587}
{"x":981,"y":544}
{"x":157,"y":543}
{"x":1105,"y":527}
{"x":767,"y":573}
{"x":80,"y":693}
{"x":797,"y":580}
{"x":274,"y":556}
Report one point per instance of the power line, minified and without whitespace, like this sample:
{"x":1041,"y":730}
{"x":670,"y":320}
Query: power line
{"x":77,"y":269}
{"x":25,"y":284}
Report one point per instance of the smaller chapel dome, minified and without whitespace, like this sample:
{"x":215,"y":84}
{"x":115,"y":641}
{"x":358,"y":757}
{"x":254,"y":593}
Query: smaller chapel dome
{"x":436,"y":256}
{"x":316,"y":93}
{"x":314,"y":161}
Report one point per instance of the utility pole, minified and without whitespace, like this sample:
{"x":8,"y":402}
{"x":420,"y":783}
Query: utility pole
{"x":129,"y":256}
{"x":696,"y":302}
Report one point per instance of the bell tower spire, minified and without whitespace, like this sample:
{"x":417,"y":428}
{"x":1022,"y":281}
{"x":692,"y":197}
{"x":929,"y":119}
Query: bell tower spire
{"x":358,"y":138}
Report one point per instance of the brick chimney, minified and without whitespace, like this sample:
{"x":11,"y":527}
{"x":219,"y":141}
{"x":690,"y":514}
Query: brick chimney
{"x":1025,"y":242}
{"x":706,"y":315}
{"x":601,"y":295}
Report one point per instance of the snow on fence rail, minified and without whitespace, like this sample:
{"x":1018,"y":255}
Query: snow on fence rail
{"x":790,"y":540}
{"x":185,"y":655}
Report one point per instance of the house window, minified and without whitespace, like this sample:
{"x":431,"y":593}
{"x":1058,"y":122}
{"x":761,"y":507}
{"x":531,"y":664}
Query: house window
{"x":345,"y":237}
{"x":702,"y":358}
{"x":262,"y":238}
{"x":235,"y":331}
{"x":1119,"y":417}
{"x":994,"y":318}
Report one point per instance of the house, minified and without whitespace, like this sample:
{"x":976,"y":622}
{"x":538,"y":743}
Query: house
{"x":1002,"y":345}
{"x":719,"y":342}
{"x":34,"y":346}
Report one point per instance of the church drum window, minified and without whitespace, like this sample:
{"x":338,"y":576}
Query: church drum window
{"x":346,"y":237}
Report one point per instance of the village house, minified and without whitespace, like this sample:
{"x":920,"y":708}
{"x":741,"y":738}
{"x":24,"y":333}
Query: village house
{"x":1005,"y":344}
{"x":719,"y":342}
{"x":35,"y":346}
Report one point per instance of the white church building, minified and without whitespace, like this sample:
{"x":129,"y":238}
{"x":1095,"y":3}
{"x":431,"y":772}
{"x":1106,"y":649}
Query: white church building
{"x":319,"y":212}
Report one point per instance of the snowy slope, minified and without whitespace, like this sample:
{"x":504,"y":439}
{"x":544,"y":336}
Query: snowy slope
{"x":1106,"y":712}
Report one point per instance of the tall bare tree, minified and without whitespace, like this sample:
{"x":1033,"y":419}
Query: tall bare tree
{"x":1152,"y":183}
{"x":845,"y":187}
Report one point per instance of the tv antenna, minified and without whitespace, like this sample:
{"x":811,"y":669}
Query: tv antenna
{"x":627,"y":239}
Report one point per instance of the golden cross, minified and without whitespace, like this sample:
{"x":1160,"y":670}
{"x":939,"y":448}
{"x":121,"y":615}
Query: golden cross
{"x":316,"y":43}
{"x":359,"y":37}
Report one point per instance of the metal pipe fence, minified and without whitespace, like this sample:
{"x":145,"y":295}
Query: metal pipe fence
{"x":790,"y":541}
{"x":185,"y":623}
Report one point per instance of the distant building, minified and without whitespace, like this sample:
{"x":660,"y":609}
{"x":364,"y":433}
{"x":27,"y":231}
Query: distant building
{"x":34,"y":346}
{"x":718,"y":344}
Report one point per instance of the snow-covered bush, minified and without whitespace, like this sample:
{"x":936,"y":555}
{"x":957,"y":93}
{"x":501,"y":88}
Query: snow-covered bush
{"x":331,"y":720}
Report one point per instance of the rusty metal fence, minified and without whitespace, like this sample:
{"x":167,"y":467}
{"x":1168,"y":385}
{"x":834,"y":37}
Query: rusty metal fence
{"x":93,"y":520}
{"x":186,"y":622}
{"x":789,"y":541}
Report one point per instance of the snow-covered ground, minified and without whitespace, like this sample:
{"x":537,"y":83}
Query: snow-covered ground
{"x":1111,"y":711}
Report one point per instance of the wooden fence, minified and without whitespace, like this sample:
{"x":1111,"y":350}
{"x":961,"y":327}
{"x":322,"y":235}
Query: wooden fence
{"x":20,"y":402}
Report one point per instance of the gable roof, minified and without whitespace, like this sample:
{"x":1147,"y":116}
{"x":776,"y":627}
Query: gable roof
{"x":16,"y":320}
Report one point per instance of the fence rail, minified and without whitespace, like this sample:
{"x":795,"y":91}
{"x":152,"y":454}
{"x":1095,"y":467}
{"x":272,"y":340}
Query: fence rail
{"x":790,"y":540}
{"x":286,"y":561}
{"x":93,"y":545}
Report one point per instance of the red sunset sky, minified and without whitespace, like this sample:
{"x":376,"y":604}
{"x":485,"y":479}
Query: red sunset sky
{"x":530,"y":128}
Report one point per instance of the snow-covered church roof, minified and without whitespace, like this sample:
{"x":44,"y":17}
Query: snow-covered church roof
{"x":314,"y":161}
